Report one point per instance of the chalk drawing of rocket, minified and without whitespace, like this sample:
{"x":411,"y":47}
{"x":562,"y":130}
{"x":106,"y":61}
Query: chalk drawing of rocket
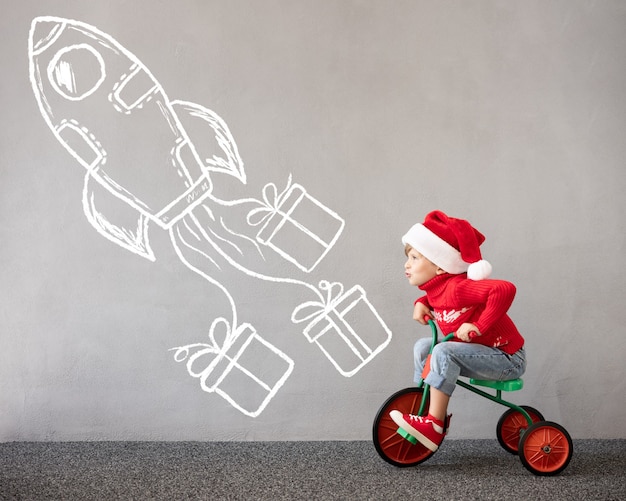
{"x":152,"y":162}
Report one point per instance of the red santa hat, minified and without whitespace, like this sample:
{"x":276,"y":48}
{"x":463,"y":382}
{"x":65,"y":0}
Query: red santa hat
{"x":452,"y":244}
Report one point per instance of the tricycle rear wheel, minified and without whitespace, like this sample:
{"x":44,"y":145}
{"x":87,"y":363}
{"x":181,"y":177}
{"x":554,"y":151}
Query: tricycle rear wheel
{"x":510,"y":425}
{"x":545,"y":448}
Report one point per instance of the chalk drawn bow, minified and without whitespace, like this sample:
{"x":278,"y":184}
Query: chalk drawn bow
{"x":313,"y":311}
{"x":272,"y":200}
{"x":219,"y":346}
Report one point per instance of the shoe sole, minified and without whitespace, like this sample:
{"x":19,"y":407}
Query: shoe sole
{"x":424,"y":440}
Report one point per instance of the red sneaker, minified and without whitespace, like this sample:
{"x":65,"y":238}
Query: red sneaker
{"x":423,"y":428}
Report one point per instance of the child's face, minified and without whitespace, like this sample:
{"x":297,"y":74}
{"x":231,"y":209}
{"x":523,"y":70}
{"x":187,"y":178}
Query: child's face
{"x":418,"y":269}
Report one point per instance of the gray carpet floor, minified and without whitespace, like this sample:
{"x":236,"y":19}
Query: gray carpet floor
{"x":460,"y":470}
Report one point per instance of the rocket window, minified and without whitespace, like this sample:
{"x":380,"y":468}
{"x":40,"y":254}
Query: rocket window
{"x":77,"y":71}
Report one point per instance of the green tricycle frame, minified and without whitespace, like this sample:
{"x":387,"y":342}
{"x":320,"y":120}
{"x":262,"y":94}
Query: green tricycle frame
{"x":544,"y":447}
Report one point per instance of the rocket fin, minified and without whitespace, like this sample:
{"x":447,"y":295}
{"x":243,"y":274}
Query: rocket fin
{"x":130,"y":228}
{"x":214,"y":144}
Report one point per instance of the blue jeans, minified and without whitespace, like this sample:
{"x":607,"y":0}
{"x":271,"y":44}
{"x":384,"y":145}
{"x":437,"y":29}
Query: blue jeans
{"x":453,"y":359}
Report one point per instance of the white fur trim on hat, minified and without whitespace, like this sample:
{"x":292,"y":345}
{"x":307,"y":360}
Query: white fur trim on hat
{"x":435,"y":249}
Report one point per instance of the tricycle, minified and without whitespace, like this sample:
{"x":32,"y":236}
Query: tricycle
{"x":544,"y":447}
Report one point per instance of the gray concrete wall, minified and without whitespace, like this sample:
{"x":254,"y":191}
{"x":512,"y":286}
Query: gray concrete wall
{"x":155,"y":285}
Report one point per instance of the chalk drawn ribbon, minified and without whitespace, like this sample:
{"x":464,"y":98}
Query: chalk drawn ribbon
{"x":235,"y":360}
{"x":331,"y":325}
{"x":295,"y":225}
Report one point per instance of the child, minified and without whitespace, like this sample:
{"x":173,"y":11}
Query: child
{"x":444,"y":260}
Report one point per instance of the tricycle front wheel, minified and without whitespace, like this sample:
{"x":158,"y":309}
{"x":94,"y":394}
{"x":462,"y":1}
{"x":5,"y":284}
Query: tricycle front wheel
{"x":392,"y":447}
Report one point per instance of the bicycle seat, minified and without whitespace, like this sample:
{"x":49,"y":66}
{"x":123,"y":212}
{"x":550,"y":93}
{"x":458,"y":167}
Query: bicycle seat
{"x":509,"y":385}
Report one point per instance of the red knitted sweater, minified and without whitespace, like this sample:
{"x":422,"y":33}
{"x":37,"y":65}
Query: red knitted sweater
{"x":454,"y":300}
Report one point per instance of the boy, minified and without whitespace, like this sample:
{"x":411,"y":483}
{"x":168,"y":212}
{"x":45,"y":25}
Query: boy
{"x":444,"y":261}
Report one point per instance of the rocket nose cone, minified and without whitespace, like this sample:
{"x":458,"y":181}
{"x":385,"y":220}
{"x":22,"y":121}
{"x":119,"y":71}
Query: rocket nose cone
{"x":43,"y":31}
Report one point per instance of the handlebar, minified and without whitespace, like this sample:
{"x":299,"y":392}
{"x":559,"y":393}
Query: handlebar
{"x":447,"y":337}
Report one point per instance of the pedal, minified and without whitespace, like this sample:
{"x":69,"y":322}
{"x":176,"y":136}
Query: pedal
{"x":407,"y":436}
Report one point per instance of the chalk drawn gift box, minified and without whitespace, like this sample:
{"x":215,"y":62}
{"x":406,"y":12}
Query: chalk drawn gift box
{"x":295,"y":225}
{"x":238,"y":365}
{"x":331,"y":326}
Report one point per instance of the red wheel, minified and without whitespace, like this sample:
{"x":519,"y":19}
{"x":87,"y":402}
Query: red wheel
{"x":390,"y":446}
{"x":510,"y":425}
{"x":545,"y":448}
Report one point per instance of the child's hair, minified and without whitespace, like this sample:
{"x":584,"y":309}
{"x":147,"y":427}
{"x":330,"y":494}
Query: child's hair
{"x":407,"y":249}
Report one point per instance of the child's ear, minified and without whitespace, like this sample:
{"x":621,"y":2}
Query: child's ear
{"x":440,"y":271}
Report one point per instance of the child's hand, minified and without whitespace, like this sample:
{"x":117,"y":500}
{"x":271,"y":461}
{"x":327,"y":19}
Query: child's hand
{"x":420,"y":311}
{"x":467,"y":332}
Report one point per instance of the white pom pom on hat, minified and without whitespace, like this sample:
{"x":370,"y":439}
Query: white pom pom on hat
{"x":479,"y":270}
{"x":452,"y":244}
